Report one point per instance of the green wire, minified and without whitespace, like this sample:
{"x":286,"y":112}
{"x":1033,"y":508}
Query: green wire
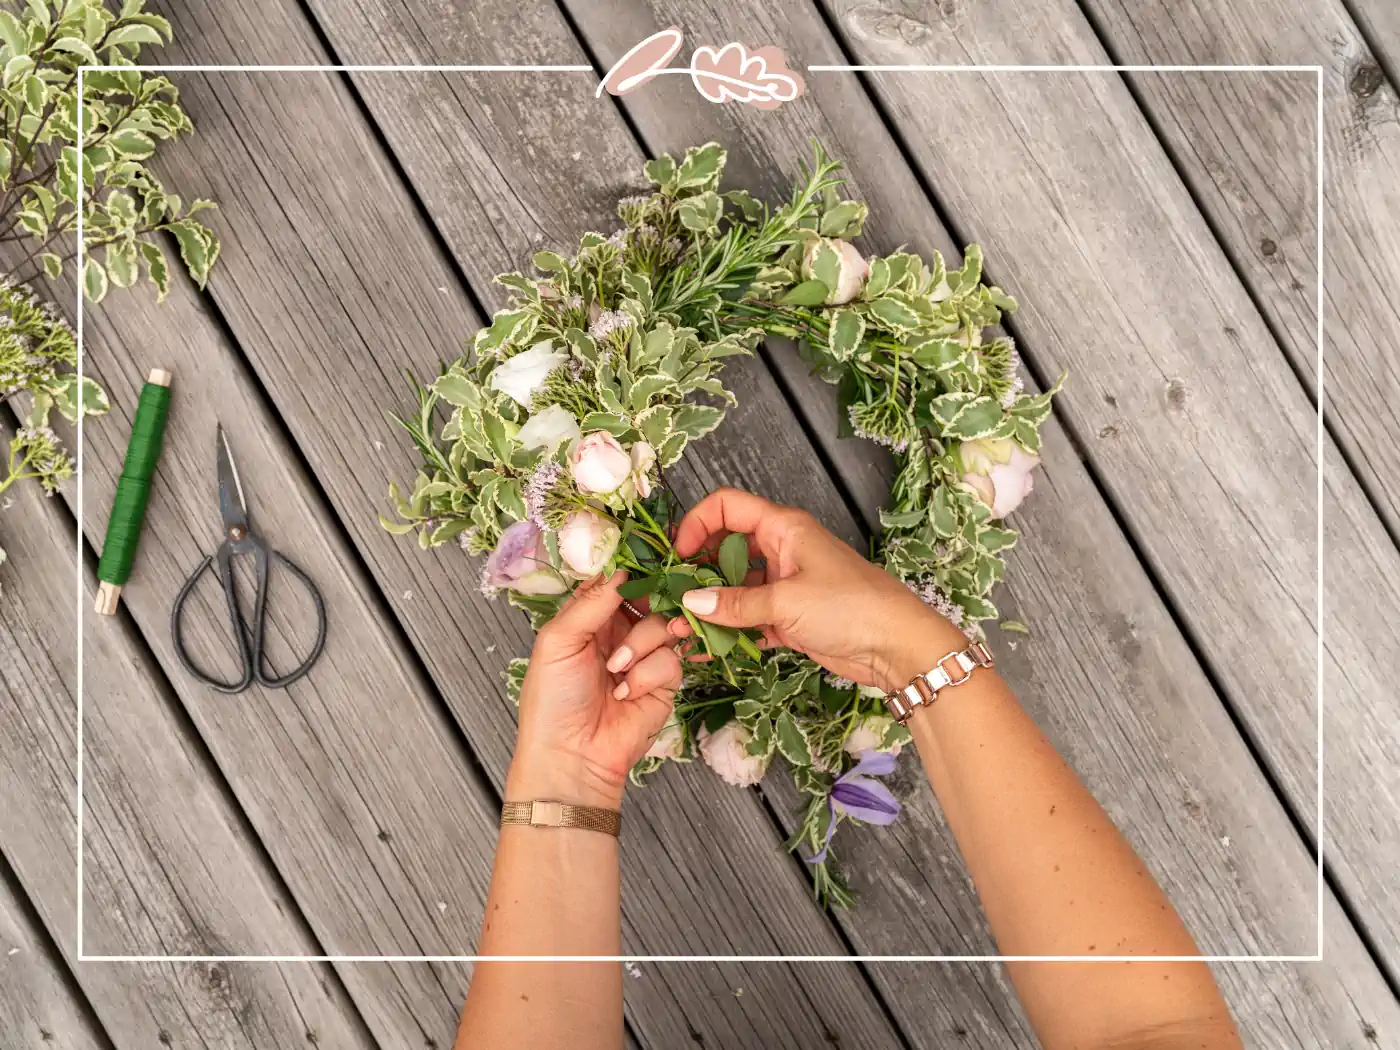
{"x":134,"y":485}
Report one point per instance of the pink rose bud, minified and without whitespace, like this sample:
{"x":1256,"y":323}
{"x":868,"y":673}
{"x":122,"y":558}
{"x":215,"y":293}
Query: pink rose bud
{"x":726,"y":751}
{"x":587,"y":540}
{"x":999,"y":471}
{"x":852,"y":272}
{"x":598,"y":463}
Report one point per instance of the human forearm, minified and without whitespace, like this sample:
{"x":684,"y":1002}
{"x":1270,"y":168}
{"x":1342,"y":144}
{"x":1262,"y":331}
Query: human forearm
{"x":554,"y":891}
{"x":1054,"y":874}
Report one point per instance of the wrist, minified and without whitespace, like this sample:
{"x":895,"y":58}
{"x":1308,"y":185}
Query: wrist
{"x":913,"y":648}
{"x":548,"y":773}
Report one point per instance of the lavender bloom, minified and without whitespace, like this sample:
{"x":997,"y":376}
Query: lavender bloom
{"x":538,"y":489}
{"x":521,"y":563}
{"x":608,"y":322}
{"x":936,"y":600}
{"x":859,"y":795}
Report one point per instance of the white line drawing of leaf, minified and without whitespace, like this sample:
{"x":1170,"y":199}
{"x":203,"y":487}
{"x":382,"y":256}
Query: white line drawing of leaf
{"x":760,"y":78}
{"x":643,"y":62}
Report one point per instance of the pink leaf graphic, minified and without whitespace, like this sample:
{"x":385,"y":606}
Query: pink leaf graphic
{"x":644,"y":62}
{"x":734,"y":74}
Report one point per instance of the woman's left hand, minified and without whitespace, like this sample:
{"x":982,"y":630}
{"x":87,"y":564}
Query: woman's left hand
{"x":598,"y":690}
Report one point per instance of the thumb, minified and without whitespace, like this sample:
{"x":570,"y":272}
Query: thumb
{"x":734,"y":606}
{"x":586,"y":612}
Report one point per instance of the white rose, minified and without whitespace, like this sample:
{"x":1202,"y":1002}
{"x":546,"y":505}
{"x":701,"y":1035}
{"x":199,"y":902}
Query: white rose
{"x":548,"y":429}
{"x":522,"y":375}
{"x":669,"y":743}
{"x":598,"y":463}
{"x":869,"y":735}
{"x":726,"y":752}
{"x":999,"y":471}
{"x":586,"y":542}
{"x":852,"y":270}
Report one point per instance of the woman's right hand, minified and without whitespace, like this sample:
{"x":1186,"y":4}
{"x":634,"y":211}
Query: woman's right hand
{"x":816,"y":595}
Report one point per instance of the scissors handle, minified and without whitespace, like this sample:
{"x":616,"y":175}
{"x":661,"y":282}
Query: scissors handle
{"x":249,"y":640}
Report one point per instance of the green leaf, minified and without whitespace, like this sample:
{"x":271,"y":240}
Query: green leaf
{"x":844,"y":220}
{"x":792,"y":742}
{"x":194,"y":249}
{"x":76,"y":46}
{"x":695,"y":421}
{"x":702,"y":166}
{"x":1015,"y":626}
{"x":156,"y":268}
{"x":751,"y":650}
{"x":132,"y":143}
{"x":847,"y":330}
{"x":12,"y":34}
{"x":826,"y":267}
{"x":95,"y":280}
{"x":122,"y":266}
{"x":977,"y":418}
{"x":894,"y":314}
{"x":639,"y":587}
{"x":717,"y":716}
{"x":121,"y":208}
{"x":719,"y":640}
{"x":70,"y":397}
{"x":53,"y":265}
{"x":19,"y":66}
{"x":734,"y":558}
{"x":134,"y":33}
{"x":808,"y":293}
{"x":550,"y":262}
{"x":661,"y":170}
{"x":700,"y":213}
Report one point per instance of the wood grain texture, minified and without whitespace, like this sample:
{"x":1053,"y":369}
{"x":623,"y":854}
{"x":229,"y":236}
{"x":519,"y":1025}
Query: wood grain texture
{"x":332,"y":286}
{"x":351,"y":778}
{"x":1380,"y":19}
{"x":39,"y":1007}
{"x":1148,"y":706}
{"x":170,"y":865}
{"x":1197,"y":427}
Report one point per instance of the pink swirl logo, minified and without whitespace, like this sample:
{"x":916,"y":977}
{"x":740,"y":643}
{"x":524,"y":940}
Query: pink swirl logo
{"x":759,"y":78}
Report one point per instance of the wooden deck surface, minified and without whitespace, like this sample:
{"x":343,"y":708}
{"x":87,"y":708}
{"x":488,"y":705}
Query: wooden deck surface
{"x":1160,"y":232}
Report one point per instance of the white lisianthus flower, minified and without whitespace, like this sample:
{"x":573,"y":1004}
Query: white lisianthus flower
{"x":548,"y":429}
{"x":669,"y":743}
{"x":587,"y":540}
{"x":999,"y":471}
{"x":852,"y":272}
{"x":869,"y":735}
{"x":598,"y":463}
{"x":726,"y":752}
{"x":522,"y":375}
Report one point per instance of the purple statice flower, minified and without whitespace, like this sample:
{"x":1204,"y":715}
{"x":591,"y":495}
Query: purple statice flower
{"x":1013,"y":376}
{"x":930,"y":594}
{"x":837,"y":681}
{"x":537,"y":491}
{"x":859,"y":795}
{"x":608,"y":322}
{"x":894,"y":444}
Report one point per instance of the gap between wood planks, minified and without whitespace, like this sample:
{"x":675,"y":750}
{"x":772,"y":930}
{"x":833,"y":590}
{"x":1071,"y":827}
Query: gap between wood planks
{"x":440,"y":243}
{"x":64,"y":513}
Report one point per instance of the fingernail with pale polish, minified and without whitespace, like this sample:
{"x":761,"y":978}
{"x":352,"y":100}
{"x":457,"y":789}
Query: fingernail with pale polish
{"x":620,"y":658}
{"x":702,"y":601}
{"x":620,"y":693}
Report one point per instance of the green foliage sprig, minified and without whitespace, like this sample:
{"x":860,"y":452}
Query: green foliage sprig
{"x":562,"y":420}
{"x":126,"y":212}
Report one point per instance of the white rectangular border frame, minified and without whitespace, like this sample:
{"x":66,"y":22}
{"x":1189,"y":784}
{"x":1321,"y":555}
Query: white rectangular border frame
{"x":1320,"y":451}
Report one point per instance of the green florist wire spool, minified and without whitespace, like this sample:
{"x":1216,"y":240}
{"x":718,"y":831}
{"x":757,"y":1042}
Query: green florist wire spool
{"x":133,"y":490}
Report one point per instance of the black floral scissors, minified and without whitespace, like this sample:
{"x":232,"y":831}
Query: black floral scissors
{"x":240,"y":539}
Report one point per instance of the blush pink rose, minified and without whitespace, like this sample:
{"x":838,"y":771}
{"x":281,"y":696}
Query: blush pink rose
{"x":726,"y":752}
{"x":852,"y":272}
{"x":598,"y":463}
{"x":999,"y":471}
{"x":587,"y":540}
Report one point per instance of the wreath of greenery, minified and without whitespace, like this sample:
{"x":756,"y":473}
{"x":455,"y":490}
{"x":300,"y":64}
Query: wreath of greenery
{"x":573,"y":403}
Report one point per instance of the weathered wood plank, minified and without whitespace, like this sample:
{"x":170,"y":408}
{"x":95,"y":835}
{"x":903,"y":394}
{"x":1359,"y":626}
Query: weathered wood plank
{"x":370,"y":294}
{"x":357,"y":759}
{"x":170,"y":866}
{"x":1380,"y":19}
{"x":1184,"y":737}
{"x":38,"y":1004}
{"x":1198,"y":428}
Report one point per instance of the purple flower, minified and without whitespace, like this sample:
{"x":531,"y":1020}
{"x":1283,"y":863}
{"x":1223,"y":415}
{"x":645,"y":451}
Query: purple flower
{"x":521,"y":563}
{"x":858,"y":794}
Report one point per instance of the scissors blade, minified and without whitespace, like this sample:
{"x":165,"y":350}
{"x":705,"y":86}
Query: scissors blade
{"x":232,"y":506}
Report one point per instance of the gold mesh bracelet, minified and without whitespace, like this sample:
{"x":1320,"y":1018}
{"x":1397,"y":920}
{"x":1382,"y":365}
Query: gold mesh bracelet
{"x":546,"y":813}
